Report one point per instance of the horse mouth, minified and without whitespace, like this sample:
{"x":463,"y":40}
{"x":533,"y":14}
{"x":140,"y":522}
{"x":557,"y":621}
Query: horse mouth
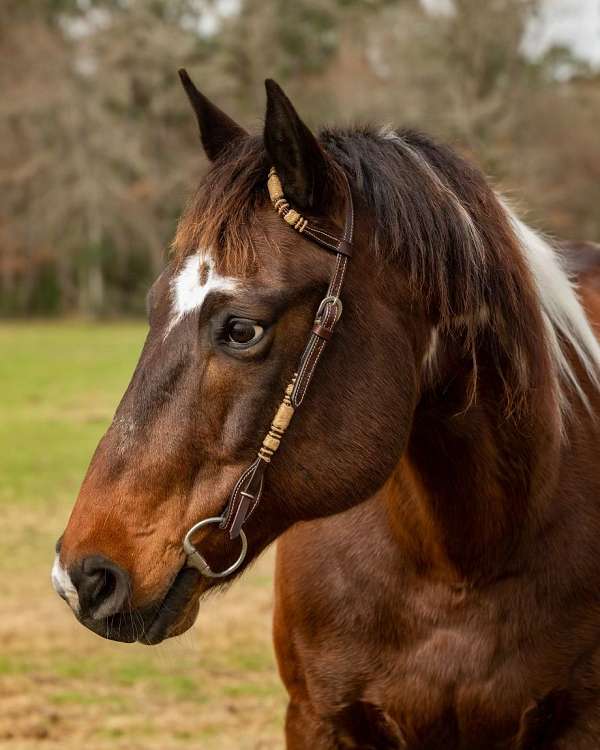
{"x":174,"y":615}
{"x":177,"y":611}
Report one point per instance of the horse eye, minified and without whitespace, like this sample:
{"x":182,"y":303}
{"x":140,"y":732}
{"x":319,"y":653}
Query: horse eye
{"x":242,"y":332}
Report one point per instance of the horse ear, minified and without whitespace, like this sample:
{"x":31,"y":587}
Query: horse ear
{"x":294,"y":151}
{"x":217,"y":130}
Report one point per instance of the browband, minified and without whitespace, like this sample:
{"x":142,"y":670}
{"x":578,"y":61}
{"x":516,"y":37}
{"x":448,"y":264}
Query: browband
{"x":300,"y":224}
{"x":248,"y":489}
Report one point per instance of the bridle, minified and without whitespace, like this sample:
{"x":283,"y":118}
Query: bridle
{"x":248,"y":489}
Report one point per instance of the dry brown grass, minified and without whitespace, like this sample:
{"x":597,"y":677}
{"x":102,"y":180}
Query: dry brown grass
{"x":215,"y":687}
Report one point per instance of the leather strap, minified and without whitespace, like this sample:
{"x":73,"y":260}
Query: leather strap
{"x":248,"y":490}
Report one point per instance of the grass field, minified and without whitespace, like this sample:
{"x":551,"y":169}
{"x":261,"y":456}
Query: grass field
{"x":60,"y":685}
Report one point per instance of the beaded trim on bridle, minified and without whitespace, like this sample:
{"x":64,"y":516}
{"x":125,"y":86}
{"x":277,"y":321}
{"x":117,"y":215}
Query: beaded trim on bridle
{"x":283,"y":208}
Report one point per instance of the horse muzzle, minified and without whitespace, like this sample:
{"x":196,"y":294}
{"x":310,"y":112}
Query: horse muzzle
{"x":98,"y":591}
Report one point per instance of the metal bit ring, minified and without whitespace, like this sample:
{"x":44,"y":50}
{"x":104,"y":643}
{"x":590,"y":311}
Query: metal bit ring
{"x":195,"y":559}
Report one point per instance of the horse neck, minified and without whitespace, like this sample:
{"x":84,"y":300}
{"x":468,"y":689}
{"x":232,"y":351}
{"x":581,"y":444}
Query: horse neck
{"x":463,"y":499}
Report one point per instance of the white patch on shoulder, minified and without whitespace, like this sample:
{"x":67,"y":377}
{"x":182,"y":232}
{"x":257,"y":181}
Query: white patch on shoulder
{"x":192,"y":285}
{"x":64,"y":586}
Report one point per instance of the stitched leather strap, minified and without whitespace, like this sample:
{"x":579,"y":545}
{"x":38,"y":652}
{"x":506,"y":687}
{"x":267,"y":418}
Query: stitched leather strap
{"x":248,"y":490}
{"x":321,"y":332}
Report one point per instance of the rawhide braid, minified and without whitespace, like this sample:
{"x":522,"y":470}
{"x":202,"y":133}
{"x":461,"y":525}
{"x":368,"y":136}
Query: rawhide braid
{"x":290,"y":215}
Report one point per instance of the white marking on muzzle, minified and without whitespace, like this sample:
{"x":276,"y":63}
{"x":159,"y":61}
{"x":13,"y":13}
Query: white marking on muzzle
{"x":64,"y":586}
{"x":192,"y":285}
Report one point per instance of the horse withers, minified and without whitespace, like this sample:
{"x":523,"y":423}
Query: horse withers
{"x":358,"y":347}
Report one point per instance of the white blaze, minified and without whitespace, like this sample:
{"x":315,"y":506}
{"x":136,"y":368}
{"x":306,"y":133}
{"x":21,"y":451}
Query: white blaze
{"x":192,"y":285}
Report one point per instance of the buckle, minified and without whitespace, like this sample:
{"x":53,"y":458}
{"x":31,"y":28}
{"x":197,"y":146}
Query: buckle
{"x":329,"y":301}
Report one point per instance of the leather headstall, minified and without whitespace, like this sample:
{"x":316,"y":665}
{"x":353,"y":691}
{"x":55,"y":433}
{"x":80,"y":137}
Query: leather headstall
{"x":248,"y":489}
{"x":247,"y":492}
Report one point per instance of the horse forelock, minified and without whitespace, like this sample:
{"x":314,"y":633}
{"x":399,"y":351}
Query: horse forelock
{"x":221,"y":215}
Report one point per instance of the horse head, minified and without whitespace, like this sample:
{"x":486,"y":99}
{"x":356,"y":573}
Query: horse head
{"x":229,"y":318}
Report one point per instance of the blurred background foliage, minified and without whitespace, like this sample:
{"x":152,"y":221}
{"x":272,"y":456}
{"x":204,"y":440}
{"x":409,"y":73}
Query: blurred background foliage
{"x":98,"y":148}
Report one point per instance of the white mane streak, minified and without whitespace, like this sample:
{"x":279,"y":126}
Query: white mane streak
{"x":561,"y":309}
{"x":562,"y":313}
{"x":420,"y":162}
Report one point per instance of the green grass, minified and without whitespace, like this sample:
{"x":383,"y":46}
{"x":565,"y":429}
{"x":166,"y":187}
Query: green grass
{"x":216,"y":688}
{"x":60,"y":386}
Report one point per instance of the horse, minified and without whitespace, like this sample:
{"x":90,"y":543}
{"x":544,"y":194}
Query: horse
{"x":426,"y":376}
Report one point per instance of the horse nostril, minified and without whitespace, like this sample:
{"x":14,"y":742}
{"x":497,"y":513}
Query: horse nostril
{"x":103,"y":586}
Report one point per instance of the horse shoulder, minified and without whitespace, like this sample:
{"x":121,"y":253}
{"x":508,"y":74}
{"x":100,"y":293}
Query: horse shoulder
{"x":318,"y":609}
